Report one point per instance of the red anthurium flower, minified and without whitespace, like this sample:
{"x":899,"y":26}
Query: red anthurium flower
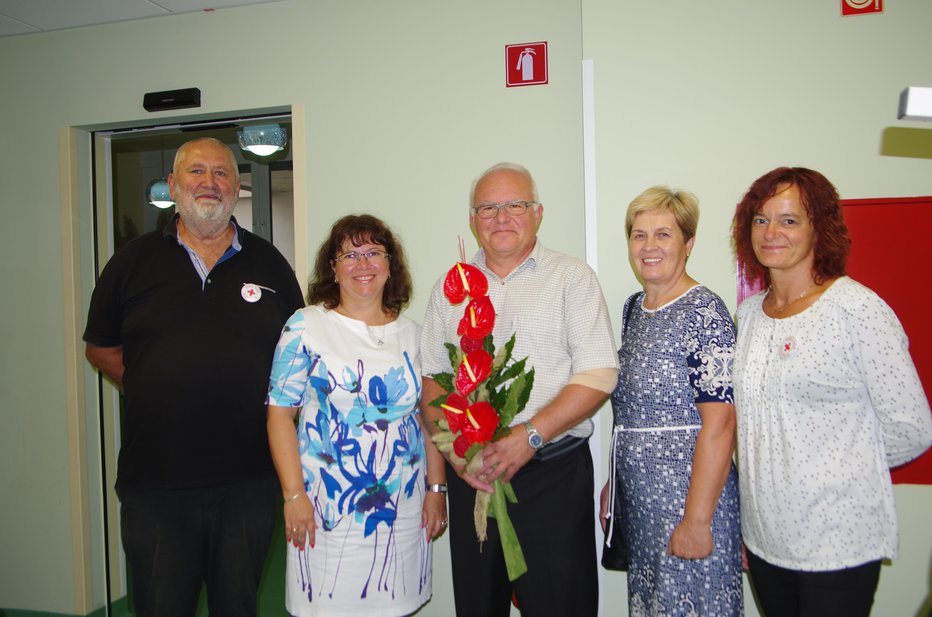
{"x":464,"y":280}
{"x":478,"y":320}
{"x":461,"y":445}
{"x":454,"y":410}
{"x":474,"y":369}
{"x":469,"y":345}
{"x":481,"y":422}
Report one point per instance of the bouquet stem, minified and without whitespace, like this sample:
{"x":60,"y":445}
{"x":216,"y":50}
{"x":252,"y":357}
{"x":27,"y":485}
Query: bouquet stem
{"x":514,"y":556}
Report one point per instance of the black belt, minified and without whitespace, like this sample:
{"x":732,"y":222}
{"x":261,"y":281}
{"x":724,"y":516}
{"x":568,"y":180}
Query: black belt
{"x":559,"y":448}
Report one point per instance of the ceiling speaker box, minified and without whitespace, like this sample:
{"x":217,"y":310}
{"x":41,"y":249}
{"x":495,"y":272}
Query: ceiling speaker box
{"x":172,"y":99}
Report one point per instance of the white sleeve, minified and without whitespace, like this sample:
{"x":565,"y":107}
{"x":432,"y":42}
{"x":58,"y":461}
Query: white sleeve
{"x":896,"y":394}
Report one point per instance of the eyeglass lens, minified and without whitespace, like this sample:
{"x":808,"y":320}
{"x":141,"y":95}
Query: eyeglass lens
{"x":513,"y":208}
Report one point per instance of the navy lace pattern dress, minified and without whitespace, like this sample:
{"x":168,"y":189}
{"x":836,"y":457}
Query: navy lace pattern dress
{"x":671,"y":359}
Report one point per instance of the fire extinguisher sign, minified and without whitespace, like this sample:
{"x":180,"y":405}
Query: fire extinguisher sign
{"x":860,"y":7}
{"x":526,"y":64}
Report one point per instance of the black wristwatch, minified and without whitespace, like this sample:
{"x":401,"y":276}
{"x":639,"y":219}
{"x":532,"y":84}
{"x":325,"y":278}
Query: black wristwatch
{"x":534,"y":438}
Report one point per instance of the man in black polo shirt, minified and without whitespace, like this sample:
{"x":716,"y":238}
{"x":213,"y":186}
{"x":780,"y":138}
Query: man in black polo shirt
{"x":185,"y":320}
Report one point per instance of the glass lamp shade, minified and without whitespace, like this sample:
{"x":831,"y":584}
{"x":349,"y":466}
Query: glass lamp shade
{"x":262,"y":140}
{"x":158,"y":195}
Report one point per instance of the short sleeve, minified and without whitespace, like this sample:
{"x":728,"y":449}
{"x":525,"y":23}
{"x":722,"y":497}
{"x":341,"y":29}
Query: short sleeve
{"x":588,"y":327}
{"x":434,"y":358}
{"x":104,"y":316}
{"x":711,"y":352}
{"x":291,"y":366}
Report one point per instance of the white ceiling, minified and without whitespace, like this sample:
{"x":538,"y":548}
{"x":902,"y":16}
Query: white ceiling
{"x":31,"y":16}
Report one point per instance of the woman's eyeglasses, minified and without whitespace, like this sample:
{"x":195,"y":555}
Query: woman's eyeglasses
{"x":354,"y":257}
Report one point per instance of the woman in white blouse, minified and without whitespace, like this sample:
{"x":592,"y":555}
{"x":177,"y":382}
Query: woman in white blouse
{"x":827,"y":398}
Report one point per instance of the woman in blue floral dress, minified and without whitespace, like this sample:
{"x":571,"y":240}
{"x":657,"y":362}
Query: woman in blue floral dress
{"x":363,"y":492}
{"x":674,"y":422}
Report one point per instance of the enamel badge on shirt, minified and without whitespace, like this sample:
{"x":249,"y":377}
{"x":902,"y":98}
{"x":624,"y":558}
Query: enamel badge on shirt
{"x":788,"y":347}
{"x":251,"y":292}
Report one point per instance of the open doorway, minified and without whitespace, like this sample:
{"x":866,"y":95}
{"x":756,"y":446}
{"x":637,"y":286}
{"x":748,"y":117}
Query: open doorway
{"x":126,"y":161}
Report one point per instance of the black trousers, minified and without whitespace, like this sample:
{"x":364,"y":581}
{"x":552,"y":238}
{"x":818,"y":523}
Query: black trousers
{"x":175,"y":540}
{"x":786,"y":593}
{"x":555,"y":523}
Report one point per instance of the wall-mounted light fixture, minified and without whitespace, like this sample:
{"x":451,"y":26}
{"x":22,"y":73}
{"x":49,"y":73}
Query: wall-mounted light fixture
{"x":262,"y":140}
{"x":915,"y":104}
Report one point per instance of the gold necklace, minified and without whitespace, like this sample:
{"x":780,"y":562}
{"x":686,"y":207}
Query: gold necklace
{"x":780,"y":309}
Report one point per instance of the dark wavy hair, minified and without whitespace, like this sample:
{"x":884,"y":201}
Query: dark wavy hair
{"x":360,"y":229}
{"x":820,"y":199}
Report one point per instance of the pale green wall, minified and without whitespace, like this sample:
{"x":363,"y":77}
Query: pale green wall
{"x":404,"y":101}
{"x":404,"y":104}
{"x":710,"y":95}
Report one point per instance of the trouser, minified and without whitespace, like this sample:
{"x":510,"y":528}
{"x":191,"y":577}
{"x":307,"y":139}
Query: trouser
{"x":554,"y":520}
{"x":787,"y":593}
{"x":177,"y":539}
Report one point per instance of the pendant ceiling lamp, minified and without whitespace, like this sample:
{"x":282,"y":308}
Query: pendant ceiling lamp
{"x":262,"y":140}
{"x":157,"y":192}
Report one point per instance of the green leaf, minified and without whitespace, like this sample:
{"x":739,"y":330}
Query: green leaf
{"x":518,"y":393}
{"x":514,"y":556}
{"x":473,"y":450}
{"x":437,"y":401}
{"x":515,"y":369}
{"x":455,"y":355}
{"x":509,"y":346}
{"x":526,"y":394}
{"x":509,"y":492}
{"x":445,"y":381}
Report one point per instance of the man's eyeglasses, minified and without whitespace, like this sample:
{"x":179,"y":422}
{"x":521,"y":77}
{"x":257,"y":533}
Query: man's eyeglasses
{"x":511,"y":208}
{"x":354,"y":257}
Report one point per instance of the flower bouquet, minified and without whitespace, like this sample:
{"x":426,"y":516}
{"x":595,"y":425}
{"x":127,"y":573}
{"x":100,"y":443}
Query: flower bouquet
{"x":485,"y":391}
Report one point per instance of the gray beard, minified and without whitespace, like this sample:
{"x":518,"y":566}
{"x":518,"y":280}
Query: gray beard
{"x":206,"y":228}
{"x":206,"y":222}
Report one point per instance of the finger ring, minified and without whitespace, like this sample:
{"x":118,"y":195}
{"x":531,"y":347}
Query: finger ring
{"x":294,"y":530}
{"x":443,"y":523}
{"x":482,"y":477}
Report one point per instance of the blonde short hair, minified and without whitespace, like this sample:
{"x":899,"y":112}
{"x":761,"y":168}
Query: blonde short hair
{"x":683,"y":205}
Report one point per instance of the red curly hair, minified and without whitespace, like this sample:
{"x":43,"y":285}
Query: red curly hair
{"x":820,"y":199}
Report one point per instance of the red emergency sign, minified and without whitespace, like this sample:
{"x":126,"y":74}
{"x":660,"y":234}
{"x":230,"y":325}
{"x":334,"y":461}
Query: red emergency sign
{"x":860,"y":7}
{"x":526,"y":64}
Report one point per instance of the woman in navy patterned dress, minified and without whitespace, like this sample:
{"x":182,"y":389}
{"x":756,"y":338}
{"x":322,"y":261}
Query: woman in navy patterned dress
{"x":675,"y":424}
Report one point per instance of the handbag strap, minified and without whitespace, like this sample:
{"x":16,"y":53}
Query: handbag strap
{"x":629,"y":308}
{"x":610,"y":515}
{"x":616,"y":432}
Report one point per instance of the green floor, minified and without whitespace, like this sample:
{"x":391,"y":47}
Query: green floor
{"x":271,"y":590}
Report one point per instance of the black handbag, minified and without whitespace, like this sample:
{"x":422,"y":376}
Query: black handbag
{"x":615,"y":546}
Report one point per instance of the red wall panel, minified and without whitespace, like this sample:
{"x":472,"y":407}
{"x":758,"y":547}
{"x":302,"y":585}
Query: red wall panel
{"x":892,"y":254}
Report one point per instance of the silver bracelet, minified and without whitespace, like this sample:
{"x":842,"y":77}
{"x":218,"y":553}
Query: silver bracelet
{"x":437,"y":488}
{"x":293,"y":497}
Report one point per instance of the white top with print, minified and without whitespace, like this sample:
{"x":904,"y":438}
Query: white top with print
{"x":827,"y":400}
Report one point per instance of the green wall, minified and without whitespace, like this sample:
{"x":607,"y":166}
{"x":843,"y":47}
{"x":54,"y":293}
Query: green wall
{"x":404,"y":104}
{"x":708,"y":96}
